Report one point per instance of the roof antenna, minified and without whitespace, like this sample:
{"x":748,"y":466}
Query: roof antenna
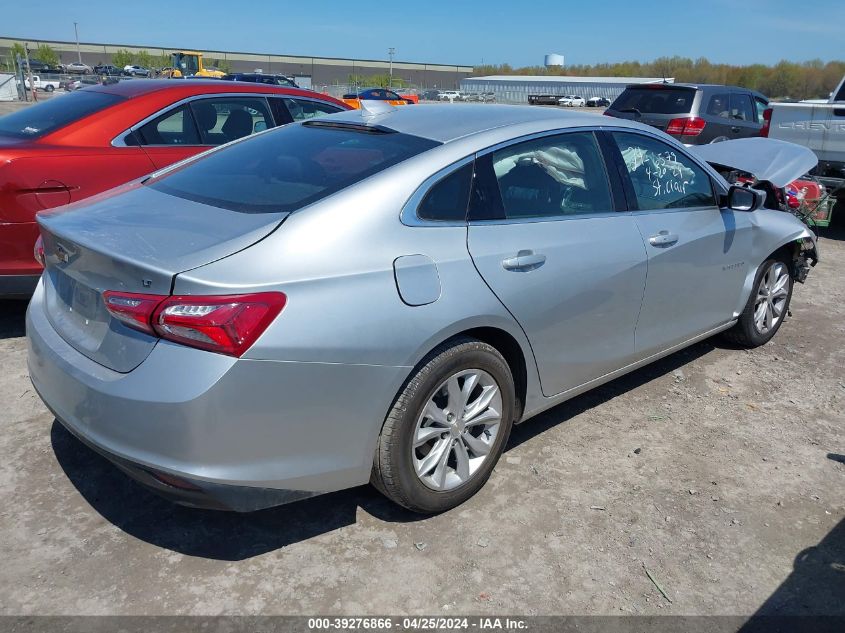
{"x":372,"y":108}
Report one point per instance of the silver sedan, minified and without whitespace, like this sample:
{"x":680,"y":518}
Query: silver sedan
{"x":380,"y":295}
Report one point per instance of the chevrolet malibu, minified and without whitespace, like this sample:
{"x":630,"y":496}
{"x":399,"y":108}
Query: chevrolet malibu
{"x":380,"y":295}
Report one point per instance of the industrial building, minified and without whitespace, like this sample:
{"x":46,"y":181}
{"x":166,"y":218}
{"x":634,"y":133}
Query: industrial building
{"x":516,"y":88}
{"x":324,"y":72}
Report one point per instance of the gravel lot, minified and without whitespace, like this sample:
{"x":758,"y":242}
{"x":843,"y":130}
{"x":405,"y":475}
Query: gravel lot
{"x":718,"y":470}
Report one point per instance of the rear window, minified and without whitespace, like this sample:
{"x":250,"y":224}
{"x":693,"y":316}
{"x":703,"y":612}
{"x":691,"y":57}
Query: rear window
{"x":48,"y":116}
{"x":655,"y":100}
{"x":290,"y":167}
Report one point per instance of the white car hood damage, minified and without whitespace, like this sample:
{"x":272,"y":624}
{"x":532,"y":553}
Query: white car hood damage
{"x":779,"y":162}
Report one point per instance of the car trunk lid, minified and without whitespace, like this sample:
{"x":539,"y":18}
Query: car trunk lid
{"x":136,"y":242}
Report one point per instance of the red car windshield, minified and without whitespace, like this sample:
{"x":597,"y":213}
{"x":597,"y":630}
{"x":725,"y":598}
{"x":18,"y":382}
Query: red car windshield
{"x":48,"y":116}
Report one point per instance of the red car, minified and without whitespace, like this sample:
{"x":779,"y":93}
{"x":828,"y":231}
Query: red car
{"x":80,"y":144}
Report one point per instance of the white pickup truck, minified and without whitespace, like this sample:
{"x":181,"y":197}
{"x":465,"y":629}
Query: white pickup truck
{"x":47,"y":85}
{"x":818,"y":125}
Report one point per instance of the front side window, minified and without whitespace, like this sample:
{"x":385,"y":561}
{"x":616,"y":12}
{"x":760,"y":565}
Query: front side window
{"x":761,"y":108}
{"x":552,"y":176}
{"x":289,"y":167}
{"x":741,"y":107}
{"x":221,"y":120}
{"x":663,"y":177}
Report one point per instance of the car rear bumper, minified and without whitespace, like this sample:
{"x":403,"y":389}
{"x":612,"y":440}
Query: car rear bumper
{"x":214,"y":431}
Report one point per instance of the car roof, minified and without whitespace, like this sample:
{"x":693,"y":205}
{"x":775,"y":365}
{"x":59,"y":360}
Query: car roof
{"x":445,"y":123}
{"x":138,"y":87}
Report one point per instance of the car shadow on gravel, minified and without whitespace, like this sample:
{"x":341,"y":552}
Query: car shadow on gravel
{"x":210,"y":534}
{"x":815,"y":587}
{"x":12,"y":316}
{"x":232,"y":536}
{"x":599,"y":395}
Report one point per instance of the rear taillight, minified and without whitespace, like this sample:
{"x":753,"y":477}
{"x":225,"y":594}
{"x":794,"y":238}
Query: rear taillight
{"x":227,"y":324}
{"x":133,"y":309}
{"x":38,"y":251}
{"x":686,"y":126}
{"x":767,"y":122}
{"x":224,"y":324}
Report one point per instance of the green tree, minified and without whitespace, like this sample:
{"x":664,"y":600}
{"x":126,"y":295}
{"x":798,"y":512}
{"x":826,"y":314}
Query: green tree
{"x":16,"y":49}
{"x":143,"y":58}
{"x":122,"y":57}
{"x":162,"y":60}
{"x":46,"y":54}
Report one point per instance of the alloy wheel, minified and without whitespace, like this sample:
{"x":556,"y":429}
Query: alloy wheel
{"x":772,"y":294}
{"x":455,"y":433}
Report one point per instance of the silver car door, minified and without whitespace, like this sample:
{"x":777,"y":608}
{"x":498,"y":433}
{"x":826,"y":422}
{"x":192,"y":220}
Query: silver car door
{"x":544,"y":234}
{"x":697,"y":252}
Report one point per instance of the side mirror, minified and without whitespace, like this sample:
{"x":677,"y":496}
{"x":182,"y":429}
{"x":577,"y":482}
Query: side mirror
{"x":745,"y":199}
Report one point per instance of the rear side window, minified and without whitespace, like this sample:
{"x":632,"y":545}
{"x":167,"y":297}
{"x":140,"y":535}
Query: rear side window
{"x":290,"y":167}
{"x":552,"y":176}
{"x":304,"y":109}
{"x":742,"y":108}
{"x":48,"y":116}
{"x":175,"y":127}
{"x":719,"y":105}
{"x":663,"y":177}
{"x":447,"y":200}
{"x":656,"y":99}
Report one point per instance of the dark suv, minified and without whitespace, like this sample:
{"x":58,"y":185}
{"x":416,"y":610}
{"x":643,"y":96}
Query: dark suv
{"x":695,"y":114}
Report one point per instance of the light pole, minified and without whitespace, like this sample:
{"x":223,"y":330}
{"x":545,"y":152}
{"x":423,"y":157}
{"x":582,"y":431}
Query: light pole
{"x":391,"y":52}
{"x":78,"y":52}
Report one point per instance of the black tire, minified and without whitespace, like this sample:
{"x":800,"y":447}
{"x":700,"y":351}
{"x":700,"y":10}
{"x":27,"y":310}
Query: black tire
{"x":746,"y":332}
{"x":393,"y":471}
{"x":49,"y":88}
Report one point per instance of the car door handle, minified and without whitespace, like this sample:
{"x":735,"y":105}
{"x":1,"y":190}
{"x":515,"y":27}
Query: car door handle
{"x":664,"y":238}
{"x":524,"y":261}
{"x":734,"y":128}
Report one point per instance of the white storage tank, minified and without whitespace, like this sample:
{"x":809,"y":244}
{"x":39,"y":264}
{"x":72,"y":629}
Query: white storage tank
{"x":553,"y":59}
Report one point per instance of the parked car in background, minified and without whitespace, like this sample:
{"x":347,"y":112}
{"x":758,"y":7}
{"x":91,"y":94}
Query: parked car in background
{"x":547,"y":99}
{"x":431,"y":95}
{"x":47,"y":85}
{"x":78,"y":68}
{"x":472,"y":96}
{"x":353,"y":99}
{"x":598,"y":102}
{"x":262,"y":78}
{"x":695,"y":114}
{"x":488,"y":97}
{"x":75,"y":84}
{"x":37,"y":66}
{"x":69,"y":148}
{"x":572,"y":101}
{"x":228,"y":335}
{"x":108,"y":70}
{"x":136,"y":71}
{"x":819,"y":126}
{"x":451,"y":95}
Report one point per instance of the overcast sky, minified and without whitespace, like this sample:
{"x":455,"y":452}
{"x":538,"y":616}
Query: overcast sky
{"x":518,"y":32}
